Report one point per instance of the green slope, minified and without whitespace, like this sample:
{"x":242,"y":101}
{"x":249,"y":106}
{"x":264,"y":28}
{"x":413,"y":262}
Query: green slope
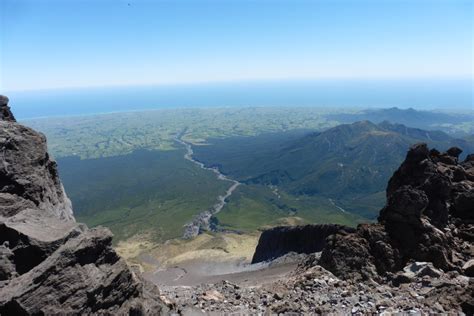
{"x":154,"y":192}
{"x":349,"y":163}
{"x":255,"y":206}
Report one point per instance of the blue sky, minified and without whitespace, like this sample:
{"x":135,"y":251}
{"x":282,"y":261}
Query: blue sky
{"x":58,"y":44}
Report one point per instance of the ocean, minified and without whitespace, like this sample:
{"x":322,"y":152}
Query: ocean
{"x":418,"y":94}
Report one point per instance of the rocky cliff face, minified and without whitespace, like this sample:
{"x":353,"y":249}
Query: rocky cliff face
{"x":278,"y":241}
{"x":29,"y":179}
{"x":429,"y":216}
{"x":49,"y":264}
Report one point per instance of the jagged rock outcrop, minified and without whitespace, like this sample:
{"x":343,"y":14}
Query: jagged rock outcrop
{"x":429,"y":216}
{"x":28,"y":177}
{"x":49,"y":264}
{"x":5,"y":113}
{"x":278,"y":241}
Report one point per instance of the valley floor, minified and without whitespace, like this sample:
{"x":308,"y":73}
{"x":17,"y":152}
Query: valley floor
{"x":205,"y":272}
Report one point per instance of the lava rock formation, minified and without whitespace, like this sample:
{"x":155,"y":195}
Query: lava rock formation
{"x":429,"y":216}
{"x":278,"y":241}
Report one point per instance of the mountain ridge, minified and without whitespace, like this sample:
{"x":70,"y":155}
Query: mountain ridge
{"x":350,"y":163}
{"x":428,"y":120}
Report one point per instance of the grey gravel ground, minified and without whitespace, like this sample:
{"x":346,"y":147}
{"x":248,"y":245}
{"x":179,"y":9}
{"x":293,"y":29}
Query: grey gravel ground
{"x":316,"y":290}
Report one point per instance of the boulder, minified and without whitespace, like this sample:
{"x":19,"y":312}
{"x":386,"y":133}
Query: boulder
{"x":420,"y":269}
{"x":468,"y":268}
{"x":454,"y":152}
{"x":5,"y":112}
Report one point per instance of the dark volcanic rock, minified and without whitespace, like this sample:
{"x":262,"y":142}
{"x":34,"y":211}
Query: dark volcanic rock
{"x":429,"y":216}
{"x":5,"y":113}
{"x":278,"y":241}
{"x":83,"y":276}
{"x":49,"y":264}
{"x":361,"y":255}
{"x":28,"y":177}
{"x":29,"y":238}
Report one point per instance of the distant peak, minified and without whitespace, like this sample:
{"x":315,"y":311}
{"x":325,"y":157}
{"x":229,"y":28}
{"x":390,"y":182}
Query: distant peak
{"x":364,"y":123}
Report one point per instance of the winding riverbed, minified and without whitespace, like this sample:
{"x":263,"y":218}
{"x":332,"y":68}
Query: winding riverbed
{"x":202,"y":221}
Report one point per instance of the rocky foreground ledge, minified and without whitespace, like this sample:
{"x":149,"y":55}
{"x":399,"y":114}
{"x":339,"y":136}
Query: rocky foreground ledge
{"x":49,"y":264}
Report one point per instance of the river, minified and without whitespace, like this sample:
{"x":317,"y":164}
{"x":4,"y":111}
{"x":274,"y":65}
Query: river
{"x":202,"y":221}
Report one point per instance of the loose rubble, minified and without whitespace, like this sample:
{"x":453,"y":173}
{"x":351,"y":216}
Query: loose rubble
{"x":316,"y":290}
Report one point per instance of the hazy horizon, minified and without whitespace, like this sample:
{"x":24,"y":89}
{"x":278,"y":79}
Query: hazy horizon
{"x":418,"y":94}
